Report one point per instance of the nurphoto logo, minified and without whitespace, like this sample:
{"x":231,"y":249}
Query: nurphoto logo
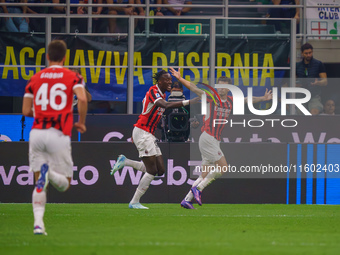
{"x":239,"y":99}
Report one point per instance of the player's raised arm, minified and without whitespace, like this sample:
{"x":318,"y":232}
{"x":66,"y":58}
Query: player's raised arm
{"x":165,"y":104}
{"x":266,"y":97}
{"x":186,"y":83}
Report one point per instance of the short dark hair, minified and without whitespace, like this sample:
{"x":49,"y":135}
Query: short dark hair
{"x":56,"y":50}
{"x":177,"y":84}
{"x":158,"y":75}
{"x":75,"y":69}
{"x":224,"y":79}
{"x":306,"y":46}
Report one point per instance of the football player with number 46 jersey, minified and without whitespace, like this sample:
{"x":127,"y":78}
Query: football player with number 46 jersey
{"x":48,"y":98}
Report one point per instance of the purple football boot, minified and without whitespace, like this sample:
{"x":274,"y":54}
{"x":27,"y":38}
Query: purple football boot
{"x":197,"y":195}
{"x":187,"y":204}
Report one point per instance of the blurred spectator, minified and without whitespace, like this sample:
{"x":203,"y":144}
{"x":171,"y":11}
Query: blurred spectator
{"x":99,"y":25}
{"x":79,"y":24}
{"x":96,"y":10}
{"x":139,"y":23}
{"x":129,"y":10}
{"x":155,"y":11}
{"x":284,"y":13}
{"x":311,"y":74}
{"x":19,"y":24}
{"x":37,"y":24}
{"x":58,"y":24}
{"x":328,"y":108}
{"x":176,"y":92}
{"x":170,"y":25}
{"x":261,"y":1}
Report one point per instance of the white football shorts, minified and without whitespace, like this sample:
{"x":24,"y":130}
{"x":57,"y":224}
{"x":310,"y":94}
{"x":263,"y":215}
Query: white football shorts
{"x":210,"y":149}
{"x":52,"y":147}
{"x":146,"y":143}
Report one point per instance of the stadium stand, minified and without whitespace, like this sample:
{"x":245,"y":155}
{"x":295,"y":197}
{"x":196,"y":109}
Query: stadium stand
{"x":239,"y":25}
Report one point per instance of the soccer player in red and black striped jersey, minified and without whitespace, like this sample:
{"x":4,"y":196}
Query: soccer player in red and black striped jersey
{"x":154,"y":104}
{"x":49,"y":98}
{"x":218,"y":111}
{"x":209,"y":141}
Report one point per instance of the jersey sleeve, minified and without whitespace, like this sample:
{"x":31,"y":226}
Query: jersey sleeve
{"x":78,"y":81}
{"x":154,"y":96}
{"x":29,"y":89}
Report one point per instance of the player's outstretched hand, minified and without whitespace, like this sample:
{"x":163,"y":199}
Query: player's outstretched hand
{"x":268,"y":95}
{"x":195,"y":100}
{"x":80,"y":127}
{"x":176,"y":74}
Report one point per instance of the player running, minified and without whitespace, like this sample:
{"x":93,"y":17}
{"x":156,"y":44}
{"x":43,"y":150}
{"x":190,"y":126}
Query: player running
{"x":51,"y":92}
{"x":209,"y":141}
{"x":154,"y":104}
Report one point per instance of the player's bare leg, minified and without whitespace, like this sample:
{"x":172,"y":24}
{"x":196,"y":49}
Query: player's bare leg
{"x":160,"y":165}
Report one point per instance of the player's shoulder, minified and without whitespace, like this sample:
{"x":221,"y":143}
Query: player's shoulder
{"x":37,"y":75}
{"x":153,"y":88}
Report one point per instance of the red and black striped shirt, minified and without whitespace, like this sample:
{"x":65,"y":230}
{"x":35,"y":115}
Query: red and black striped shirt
{"x":52,"y":92}
{"x":151,"y":114}
{"x":216,"y":111}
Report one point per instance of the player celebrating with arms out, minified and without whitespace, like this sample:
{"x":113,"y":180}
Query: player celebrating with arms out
{"x":154,"y":104}
{"x":209,"y":141}
{"x":51,"y":91}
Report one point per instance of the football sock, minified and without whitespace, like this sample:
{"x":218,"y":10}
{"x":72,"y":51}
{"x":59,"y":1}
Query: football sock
{"x":38,"y":204}
{"x":190,"y":196}
{"x":59,"y":181}
{"x":211,"y":176}
{"x":135,"y":164}
{"x":142,"y":187}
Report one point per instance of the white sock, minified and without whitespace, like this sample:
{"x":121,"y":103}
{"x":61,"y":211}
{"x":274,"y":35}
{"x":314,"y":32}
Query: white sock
{"x":38,"y":204}
{"x":190,"y":196}
{"x":135,"y":164}
{"x":59,"y":181}
{"x":142,"y":187}
{"x":211,"y":176}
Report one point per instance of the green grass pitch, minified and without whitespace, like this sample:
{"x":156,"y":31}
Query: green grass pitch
{"x":168,"y":229}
